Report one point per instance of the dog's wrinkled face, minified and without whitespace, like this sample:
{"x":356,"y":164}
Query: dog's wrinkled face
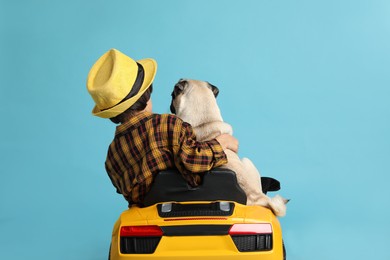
{"x":184,"y":86}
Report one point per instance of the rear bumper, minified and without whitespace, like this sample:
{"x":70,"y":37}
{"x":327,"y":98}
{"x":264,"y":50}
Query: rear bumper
{"x":201,"y":246}
{"x":206,"y":247}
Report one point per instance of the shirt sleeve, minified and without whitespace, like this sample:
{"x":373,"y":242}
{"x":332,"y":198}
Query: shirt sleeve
{"x":194,"y":157}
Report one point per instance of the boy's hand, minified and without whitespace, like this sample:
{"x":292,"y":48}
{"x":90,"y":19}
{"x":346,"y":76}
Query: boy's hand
{"x":228,"y":142}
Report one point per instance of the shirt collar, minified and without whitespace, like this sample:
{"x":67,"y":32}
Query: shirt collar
{"x":133,"y":122}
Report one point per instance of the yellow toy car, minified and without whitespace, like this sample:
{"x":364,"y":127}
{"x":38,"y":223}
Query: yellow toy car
{"x":208,"y":222}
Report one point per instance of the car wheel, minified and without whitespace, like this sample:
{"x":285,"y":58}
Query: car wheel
{"x":109,"y":253}
{"x":284,"y":251}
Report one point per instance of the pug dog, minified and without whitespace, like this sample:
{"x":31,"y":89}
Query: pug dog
{"x":195,"y":102}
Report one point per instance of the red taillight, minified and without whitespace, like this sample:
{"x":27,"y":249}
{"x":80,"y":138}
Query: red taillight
{"x":141,"y":231}
{"x":250,"y":229}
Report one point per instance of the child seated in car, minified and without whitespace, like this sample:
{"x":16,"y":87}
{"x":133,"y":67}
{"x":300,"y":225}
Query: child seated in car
{"x":146,"y":143}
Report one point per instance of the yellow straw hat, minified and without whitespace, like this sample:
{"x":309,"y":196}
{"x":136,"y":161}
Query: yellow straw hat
{"x":116,"y":82}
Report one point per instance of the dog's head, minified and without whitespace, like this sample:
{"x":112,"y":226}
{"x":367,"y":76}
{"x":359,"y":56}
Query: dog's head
{"x":194,"y":101}
{"x":183,"y":89}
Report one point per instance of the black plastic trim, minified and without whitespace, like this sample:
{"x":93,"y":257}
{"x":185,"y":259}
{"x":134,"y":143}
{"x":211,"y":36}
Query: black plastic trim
{"x":252,"y":243}
{"x":218,"y":184}
{"x":139,"y":245}
{"x":196,"y":230}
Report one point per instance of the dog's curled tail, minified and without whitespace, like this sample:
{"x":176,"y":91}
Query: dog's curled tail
{"x":278,"y":205}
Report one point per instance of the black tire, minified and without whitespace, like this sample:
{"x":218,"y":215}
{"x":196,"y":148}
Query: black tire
{"x":284,"y":251}
{"x":109,"y":253}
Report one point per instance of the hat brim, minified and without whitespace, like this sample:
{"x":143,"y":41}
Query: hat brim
{"x":150,"y":69}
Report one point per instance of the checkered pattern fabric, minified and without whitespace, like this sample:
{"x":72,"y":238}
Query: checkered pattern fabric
{"x":149,"y":143}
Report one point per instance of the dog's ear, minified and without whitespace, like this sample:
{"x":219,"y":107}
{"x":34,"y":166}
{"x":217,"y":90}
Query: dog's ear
{"x":179,"y":87}
{"x":214,"y":89}
{"x":177,"y":90}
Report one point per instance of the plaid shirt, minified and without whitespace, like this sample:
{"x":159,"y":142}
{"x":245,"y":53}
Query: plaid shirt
{"x":149,"y":143}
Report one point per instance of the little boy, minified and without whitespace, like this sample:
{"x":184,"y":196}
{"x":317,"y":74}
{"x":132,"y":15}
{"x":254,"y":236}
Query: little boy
{"x":146,"y":143}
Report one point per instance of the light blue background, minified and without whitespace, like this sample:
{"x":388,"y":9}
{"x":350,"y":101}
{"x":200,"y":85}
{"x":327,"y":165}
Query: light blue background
{"x":304,"y":83}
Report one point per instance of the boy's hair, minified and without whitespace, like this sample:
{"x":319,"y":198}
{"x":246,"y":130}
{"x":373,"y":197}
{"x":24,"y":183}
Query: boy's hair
{"x":139,"y":105}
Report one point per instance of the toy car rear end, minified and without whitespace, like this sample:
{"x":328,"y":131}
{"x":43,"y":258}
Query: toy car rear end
{"x":182,"y":227}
